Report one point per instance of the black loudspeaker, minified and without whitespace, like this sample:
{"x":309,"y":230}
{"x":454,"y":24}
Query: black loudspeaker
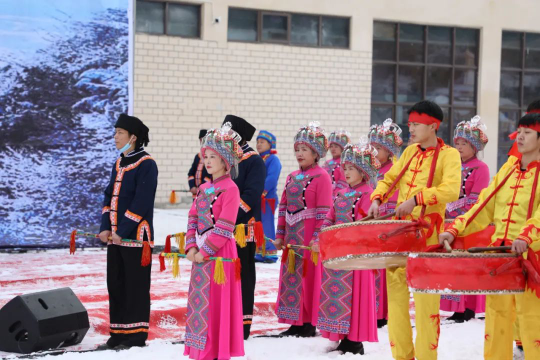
{"x":42,"y":320}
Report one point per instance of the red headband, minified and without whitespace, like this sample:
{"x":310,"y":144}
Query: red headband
{"x":514,"y":150}
{"x":424,"y":119}
{"x":535,"y":127}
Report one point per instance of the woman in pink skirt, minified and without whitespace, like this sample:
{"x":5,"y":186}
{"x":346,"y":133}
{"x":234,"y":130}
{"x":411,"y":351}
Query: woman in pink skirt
{"x":305,"y":201}
{"x":469,"y":139}
{"x":386,"y":139}
{"x":337,"y":142}
{"x":347,"y":306}
{"x":214,"y":316}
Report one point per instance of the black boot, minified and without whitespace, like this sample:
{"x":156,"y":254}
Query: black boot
{"x":111,"y":343}
{"x":292,"y":331}
{"x":352,"y":347}
{"x":308,"y":330}
{"x":381,"y":323}
{"x":341,"y":345}
{"x":457,"y":317}
{"x":468,"y":315}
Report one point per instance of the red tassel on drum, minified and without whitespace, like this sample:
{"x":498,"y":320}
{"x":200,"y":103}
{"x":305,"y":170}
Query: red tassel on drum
{"x":146,"y":257}
{"x":72,"y":246}
{"x":259,"y":233}
{"x":161,"y":262}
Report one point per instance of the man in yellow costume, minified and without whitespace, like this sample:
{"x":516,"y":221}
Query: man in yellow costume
{"x":427,"y":175}
{"x":511,"y":202}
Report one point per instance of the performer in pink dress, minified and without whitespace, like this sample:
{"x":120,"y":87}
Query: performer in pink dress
{"x":469,"y":139}
{"x":386,"y":139}
{"x":337,"y":142}
{"x":303,"y":207}
{"x":347,"y":308}
{"x":214,"y":327}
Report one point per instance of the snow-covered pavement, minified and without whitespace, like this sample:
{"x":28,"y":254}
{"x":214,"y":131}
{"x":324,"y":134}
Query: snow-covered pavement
{"x":84,"y":272}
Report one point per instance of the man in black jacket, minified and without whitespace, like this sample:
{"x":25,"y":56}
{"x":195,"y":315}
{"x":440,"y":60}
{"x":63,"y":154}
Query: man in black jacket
{"x":250,"y":182}
{"x":127,"y":228}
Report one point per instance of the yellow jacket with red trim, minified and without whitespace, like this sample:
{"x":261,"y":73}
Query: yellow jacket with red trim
{"x":444,"y":189}
{"x":508,"y":208}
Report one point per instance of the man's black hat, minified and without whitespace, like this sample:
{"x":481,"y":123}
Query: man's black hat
{"x":134,"y":126}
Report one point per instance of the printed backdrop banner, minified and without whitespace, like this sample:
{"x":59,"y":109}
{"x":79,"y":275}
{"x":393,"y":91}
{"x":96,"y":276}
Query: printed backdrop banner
{"x":64,"y":75}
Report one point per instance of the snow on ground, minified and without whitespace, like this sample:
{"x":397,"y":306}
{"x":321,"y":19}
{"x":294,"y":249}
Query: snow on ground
{"x":84,"y":272}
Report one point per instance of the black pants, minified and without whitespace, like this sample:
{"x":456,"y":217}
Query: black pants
{"x":247,"y":259}
{"x":128,"y":284}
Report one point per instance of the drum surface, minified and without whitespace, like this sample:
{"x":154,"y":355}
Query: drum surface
{"x":374,"y":244}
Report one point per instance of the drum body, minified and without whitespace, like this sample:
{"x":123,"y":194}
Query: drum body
{"x":465,"y":273}
{"x":481,"y":238}
{"x":374,"y":244}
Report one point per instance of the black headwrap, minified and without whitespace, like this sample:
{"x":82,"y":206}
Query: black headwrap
{"x":241,"y":126}
{"x":135,"y":127}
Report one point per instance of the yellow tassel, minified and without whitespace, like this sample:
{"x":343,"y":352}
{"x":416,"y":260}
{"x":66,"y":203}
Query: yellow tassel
{"x":315,"y":257}
{"x":176,"y":267}
{"x":219,"y":272}
{"x":181,"y":242}
{"x":291,"y":262}
{"x":240,"y":235}
{"x":264,"y":247}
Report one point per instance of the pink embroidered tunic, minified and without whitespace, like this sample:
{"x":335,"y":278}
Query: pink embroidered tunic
{"x":390,"y":205}
{"x":334,"y":169}
{"x":214,"y":316}
{"x":474,"y":178}
{"x":305,"y":201}
{"x":347,"y":304}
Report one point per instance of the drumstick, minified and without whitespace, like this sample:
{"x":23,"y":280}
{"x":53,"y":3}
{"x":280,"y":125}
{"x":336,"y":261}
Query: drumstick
{"x":370,"y":217}
{"x":447,"y":246}
{"x":493,"y":248}
{"x":299,"y":247}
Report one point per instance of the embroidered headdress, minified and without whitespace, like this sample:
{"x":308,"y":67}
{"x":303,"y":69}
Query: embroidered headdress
{"x":268,"y":136}
{"x":313,"y":136}
{"x":340,"y":137}
{"x":388,"y":135}
{"x":474,"y":131}
{"x":226,"y":143}
{"x":364,"y":157}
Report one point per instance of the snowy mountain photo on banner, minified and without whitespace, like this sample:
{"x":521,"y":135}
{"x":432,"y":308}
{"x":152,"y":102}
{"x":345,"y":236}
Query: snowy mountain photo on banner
{"x":64,"y":75}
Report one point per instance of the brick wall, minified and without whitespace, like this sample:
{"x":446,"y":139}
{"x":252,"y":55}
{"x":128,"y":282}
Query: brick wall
{"x":182,"y":85}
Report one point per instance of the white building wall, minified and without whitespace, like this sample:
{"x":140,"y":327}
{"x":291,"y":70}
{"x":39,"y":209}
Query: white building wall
{"x":182,"y":85}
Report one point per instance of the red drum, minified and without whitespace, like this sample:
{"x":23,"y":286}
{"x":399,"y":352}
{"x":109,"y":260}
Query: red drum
{"x":478,"y":239}
{"x":465,"y":273}
{"x":376,"y":244}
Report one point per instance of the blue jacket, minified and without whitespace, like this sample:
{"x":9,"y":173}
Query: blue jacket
{"x":128,"y":207}
{"x":273,"y":170}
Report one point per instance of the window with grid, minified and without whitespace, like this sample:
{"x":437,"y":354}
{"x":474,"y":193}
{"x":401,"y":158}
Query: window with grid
{"x":416,"y":62}
{"x":288,"y":28}
{"x":164,"y":18}
{"x":520,"y":83}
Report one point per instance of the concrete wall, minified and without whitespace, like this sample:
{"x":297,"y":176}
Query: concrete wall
{"x":182,"y":85}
